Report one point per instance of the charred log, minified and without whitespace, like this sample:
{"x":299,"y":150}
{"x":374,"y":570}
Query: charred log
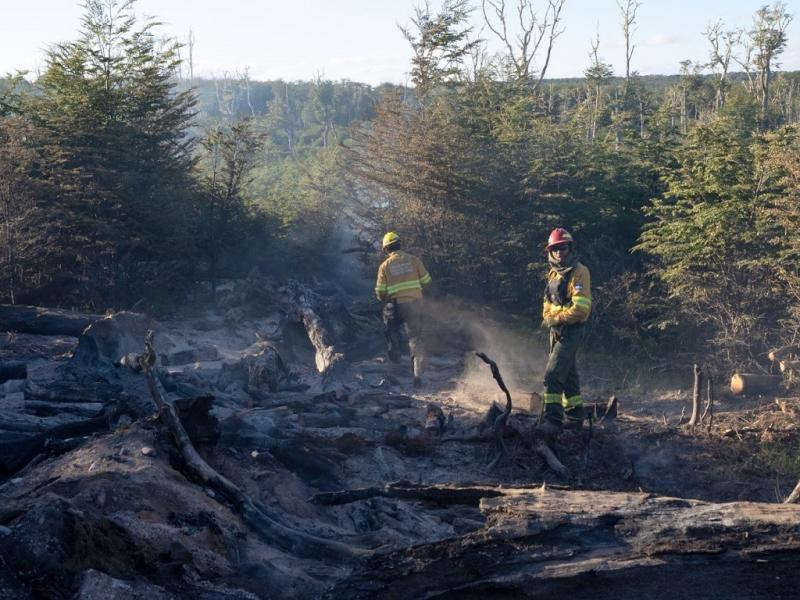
{"x":301,"y":305}
{"x":13,"y":369}
{"x":438,"y":494}
{"x":15,"y":454}
{"x":550,"y":541}
{"x":44,"y":321}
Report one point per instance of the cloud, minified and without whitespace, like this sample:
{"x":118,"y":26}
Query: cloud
{"x":662,"y":39}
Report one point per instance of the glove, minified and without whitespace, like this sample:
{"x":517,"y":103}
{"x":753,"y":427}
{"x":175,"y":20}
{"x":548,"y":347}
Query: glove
{"x":550,"y":322}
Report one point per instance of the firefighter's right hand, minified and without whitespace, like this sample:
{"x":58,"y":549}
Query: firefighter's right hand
{"x":548,"y":322}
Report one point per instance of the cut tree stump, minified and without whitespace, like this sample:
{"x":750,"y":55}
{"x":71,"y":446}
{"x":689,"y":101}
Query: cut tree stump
{"x":44,"y":321}
{"x":546,"y":542}
{"x":754,"y":384}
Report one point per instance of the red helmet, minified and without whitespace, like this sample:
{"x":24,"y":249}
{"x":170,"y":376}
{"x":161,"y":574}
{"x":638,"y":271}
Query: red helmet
{"x":558,"y":236}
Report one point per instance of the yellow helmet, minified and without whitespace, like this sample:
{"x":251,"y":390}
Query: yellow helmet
{"x":389,"y":239}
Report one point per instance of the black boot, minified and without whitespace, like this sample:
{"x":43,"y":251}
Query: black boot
{"x":551,"y":420}
{"x":573,"y":417}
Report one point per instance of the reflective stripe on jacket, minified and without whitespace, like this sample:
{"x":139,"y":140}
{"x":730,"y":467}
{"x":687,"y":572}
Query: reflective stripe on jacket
{"x":576,"y":304}
{"x":401,"y":278}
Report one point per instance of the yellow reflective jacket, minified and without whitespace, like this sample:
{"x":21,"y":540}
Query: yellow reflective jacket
{"x":577,"y":297}
{"x":401,"y":278}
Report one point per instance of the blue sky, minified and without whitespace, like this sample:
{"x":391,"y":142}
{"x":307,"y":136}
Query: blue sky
{"x":359,"y":39}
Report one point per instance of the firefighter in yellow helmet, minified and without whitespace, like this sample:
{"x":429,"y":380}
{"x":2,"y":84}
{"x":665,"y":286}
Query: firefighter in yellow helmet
{"x":401,"y":278}
{"x":567,"y":304}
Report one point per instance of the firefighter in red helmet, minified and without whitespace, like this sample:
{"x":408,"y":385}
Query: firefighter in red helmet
{"x":566,"y":307}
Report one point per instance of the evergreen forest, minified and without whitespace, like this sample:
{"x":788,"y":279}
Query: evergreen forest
{"x":125,"y":179}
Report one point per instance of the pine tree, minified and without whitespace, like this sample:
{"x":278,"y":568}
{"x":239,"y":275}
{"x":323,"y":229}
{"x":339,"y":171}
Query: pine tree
{"x":122,"y":157}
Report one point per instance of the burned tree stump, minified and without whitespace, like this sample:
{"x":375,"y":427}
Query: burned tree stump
{"x":108,"y":340}
{"x":261,"y":367}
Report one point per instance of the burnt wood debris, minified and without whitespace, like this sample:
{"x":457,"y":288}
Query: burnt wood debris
{"x":267,"y":450}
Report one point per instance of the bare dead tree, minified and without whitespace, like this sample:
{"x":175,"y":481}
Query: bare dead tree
{"x":722,"y":46}
{"x":190,"y":44}
{"x":766,"y":41}
{"x":628,"y":12}
{"x":244,"y":78}
{"x":536,"y":33}
{"x":596,"y":74}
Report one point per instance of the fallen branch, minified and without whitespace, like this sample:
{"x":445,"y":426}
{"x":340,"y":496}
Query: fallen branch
{"x":292,"y":540}
{"x":552,"y":461}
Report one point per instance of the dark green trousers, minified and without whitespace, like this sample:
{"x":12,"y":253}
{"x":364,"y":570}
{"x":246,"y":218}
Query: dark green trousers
{"x":406,"y":316}
{"x":561,"y":382}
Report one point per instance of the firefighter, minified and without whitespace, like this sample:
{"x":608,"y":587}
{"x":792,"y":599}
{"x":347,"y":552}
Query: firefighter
{"x":567,"y":304}
{"x":401,"y":278}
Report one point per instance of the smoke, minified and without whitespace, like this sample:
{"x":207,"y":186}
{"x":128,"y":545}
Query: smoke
{"x":515,"y":346}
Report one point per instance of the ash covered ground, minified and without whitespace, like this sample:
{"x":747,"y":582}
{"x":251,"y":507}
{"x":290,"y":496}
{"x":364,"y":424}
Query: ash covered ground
{"x":97,"y":499}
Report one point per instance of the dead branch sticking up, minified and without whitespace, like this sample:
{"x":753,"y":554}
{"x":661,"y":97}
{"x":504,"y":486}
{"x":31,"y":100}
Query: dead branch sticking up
{"x":698,"y":382}
{"x":499,"y":448}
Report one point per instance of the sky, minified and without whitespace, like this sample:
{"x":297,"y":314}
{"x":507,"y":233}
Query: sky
{"x":359,"y":40}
